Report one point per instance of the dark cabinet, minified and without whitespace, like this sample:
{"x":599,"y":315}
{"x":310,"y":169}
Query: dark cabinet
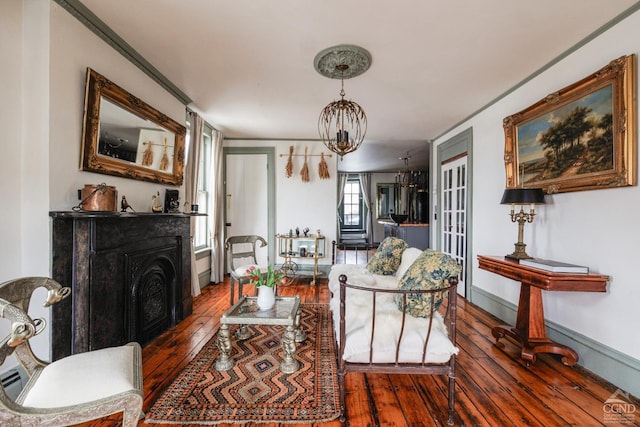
{"x":416,"y":235}
{"x":130,"y":277}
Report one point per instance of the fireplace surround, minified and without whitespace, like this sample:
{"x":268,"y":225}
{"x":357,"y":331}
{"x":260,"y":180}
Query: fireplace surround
{"x":129,"y":273}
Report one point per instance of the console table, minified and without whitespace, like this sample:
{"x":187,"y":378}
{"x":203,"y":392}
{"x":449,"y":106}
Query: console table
{"x":530,"y":330}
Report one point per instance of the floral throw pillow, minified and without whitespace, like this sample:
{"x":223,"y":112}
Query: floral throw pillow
{"x":387,"y":258}
{"x":429,"y":271}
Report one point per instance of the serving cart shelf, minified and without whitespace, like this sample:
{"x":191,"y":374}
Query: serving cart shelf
{"x":297,"y":248}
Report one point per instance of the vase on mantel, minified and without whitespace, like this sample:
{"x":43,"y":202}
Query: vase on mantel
{"x":266,"y":297}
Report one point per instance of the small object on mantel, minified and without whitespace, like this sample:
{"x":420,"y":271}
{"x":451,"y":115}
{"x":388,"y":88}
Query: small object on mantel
{"x":124,"y":205}
{"x":554,"y":266}
{"x":156,"y":206}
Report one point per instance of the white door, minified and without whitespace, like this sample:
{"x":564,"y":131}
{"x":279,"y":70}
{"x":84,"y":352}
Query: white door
{"x":246,"y":198}
{"x":454,"y":213}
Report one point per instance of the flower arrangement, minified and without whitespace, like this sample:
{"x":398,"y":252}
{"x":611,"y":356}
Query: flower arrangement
{"x":270,"y":279}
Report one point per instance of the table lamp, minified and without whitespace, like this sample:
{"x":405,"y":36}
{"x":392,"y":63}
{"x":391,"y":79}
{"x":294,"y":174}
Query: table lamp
{"x":522,"y":196}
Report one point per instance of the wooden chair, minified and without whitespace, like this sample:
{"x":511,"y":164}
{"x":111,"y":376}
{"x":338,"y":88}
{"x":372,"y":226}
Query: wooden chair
{"x":241,"y":254}
{"x":74,"y":389}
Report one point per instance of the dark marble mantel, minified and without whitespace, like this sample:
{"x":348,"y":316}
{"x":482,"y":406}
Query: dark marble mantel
{"x":130,"y":275}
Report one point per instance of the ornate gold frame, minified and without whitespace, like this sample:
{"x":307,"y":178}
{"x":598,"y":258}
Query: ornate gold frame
{"x":620,"y":74}
{"x":98,"y":87}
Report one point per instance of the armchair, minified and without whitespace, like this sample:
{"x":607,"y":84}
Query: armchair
{"x":72,"y":390}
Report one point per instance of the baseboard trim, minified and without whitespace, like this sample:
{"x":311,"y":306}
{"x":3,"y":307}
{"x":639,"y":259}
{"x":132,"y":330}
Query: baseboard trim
{"x":616,"y":367}
{"x":204,"y":278}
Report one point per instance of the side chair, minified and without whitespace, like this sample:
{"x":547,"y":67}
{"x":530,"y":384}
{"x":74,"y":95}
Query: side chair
{"x":241,"y":254}
{"x":71,"y":390}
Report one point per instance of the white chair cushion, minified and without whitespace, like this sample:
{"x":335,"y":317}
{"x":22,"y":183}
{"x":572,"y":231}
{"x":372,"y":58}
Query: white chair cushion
{"x":82,"y":378}
{"x":242,"y":270}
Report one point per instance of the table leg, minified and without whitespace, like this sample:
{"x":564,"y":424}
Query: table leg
{"x":530,"y":329}
{"x":224,"y":362}
{"x":300,"y":334}
{"x":289,"y":363}
{"x":243,"y":333}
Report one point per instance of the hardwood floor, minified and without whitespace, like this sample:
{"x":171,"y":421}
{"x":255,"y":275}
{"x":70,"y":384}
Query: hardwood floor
{"x":493,"y":387}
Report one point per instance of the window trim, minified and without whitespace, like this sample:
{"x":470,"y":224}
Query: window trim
{"x":360,"y":225}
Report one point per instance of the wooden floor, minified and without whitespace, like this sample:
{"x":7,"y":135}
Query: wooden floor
{"x":493,"y":387}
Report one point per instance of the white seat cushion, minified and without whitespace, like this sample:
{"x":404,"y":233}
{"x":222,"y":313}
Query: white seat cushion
{"x":82,"y":378}
{"x":387,"y":328}
{"x":242,"y":270}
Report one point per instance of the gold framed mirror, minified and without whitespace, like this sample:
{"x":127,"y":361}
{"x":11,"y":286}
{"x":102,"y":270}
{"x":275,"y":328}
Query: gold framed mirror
{"x":124,"y":136}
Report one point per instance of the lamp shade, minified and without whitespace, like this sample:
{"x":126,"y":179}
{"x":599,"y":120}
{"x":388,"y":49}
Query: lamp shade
{"x":523,"y":196}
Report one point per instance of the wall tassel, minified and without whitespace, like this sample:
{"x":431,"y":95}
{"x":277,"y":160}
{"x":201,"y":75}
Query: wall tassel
{"x":147,"y":155}
{"x":164,"y":161}
{"x":323,"y":168}
{"x":304,"y":173}
{"x":288,"y":172}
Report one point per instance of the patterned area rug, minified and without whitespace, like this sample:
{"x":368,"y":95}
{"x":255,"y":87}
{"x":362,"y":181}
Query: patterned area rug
{"x":255,"y":390}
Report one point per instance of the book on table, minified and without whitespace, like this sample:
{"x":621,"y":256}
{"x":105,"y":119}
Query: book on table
{"x":554,"y":266}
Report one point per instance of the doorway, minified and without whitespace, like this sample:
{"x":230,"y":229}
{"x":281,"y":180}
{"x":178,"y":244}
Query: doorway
{"x":454,"y":213}
{"x":454,"y":158}
{"x":249,"y":196}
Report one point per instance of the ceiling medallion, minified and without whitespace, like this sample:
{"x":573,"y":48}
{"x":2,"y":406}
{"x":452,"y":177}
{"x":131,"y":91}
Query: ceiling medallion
{"x":342,"y":124}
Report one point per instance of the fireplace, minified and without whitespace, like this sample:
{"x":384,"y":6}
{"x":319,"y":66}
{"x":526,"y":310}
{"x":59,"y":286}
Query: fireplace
{"x":129,"y":274}
{"x":151,"y":281}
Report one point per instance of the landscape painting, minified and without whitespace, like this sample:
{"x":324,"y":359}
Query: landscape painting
{"x":581,"y":137}
{"x":574,"y":139}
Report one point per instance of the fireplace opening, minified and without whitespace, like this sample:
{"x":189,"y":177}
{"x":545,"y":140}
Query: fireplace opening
{"x":153,"y":302}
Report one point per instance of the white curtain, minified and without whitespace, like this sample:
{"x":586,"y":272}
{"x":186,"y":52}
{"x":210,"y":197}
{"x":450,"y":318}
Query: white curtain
{"x":365,"y":185}
{"x":191,"y":188}
{"x":342,"y":181}
{"x":216,"y":224}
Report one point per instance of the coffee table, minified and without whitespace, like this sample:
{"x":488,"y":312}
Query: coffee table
{"x":286,"y":312}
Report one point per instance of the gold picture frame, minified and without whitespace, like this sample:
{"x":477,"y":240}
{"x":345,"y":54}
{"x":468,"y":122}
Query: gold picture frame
{"x":582,"y":137}
{"x":124,"y":136}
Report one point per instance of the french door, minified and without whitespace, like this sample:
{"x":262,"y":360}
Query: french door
{"x":453,"y":213}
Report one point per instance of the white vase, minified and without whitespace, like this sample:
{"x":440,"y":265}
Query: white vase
{"x":266,"y":297}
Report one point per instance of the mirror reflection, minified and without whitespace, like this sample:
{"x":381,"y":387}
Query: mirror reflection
{"x":130,"y":138}
{"x":386,"y":200}
{"x":124,"y":136}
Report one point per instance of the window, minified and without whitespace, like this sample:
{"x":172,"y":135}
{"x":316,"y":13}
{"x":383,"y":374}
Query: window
{"x":202,"y":240}
{"x":202,"y":232}
{"x":351,"y":210}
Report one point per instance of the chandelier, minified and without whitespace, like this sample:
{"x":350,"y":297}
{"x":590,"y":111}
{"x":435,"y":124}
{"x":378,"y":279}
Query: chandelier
{"x":342,"y":124}
{"x":409,"y":178}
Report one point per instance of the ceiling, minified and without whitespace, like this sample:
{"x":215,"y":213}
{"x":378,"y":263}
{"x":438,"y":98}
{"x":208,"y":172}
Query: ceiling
{"x":248,"y":67}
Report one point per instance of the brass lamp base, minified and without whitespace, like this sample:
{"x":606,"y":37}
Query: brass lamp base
{"x":519,"y":252}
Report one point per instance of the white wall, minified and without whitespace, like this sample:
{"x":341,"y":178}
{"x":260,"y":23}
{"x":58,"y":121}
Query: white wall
{"x":24,"y":117}
{"x":597,"y":228}
{"x":42,"y":88}
{"x":73,"y":49}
